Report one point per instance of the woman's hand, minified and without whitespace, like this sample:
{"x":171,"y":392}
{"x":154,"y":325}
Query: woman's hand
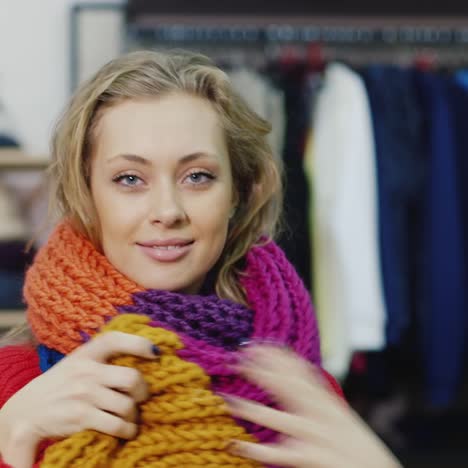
{"x":319,"y":430}
{"x":81,"y":392}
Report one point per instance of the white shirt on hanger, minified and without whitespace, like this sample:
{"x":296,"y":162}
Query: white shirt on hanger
{"x":340,"y":162}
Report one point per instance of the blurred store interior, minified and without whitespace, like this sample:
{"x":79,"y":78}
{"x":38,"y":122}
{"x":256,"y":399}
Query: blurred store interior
{"x":369,"y":113}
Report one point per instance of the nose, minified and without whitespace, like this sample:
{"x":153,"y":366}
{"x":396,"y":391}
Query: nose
{"x":166,"y":207}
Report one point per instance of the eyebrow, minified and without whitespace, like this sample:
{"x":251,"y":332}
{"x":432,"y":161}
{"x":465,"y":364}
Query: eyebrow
{"x":184,"y":159}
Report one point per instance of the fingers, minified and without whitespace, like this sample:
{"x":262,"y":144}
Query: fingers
{"x":113,"y":425}
{"x":126,"y":380}
{"x":279,"y":421}
{"x":270,"y":454}
{"x":288,"y":378}
{"x":114,"y":343}
{"x":116,"y":403}
{"x":282,"y":360}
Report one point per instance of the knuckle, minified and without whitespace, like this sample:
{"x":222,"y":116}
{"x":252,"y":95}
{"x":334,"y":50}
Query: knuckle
{"x":132,"y":378}
{"x":109,"y":338}
{"x":79,"y":391}
{"x":139,"y":344}
{"x":79,"y":415}
{"x":81,"y":368}
{"x":122,"y":340}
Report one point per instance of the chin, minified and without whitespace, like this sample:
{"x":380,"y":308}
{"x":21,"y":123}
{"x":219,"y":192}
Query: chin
{"x":166,"y":285}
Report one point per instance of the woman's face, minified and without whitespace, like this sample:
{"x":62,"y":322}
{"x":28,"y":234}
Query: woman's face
{"x":162,"y":185}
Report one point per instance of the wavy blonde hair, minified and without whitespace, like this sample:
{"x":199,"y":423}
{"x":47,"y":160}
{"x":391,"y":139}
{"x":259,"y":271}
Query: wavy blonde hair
{"x":148,"y":74}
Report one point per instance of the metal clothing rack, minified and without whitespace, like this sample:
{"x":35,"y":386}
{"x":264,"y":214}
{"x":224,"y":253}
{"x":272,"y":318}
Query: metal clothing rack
{"x":291,"y":34}
{"x":265,"y":32}
{"x":257,"y":40}
{"x":327,"y":30}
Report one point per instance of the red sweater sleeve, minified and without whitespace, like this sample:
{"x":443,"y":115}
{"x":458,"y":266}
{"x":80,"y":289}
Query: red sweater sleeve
{"x":18,"y":366}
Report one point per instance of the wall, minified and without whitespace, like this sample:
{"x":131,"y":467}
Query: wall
{"x":34,"y":62}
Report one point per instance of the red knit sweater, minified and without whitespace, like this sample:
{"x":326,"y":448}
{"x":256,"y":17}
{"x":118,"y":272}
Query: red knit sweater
{"x":20,"y":364}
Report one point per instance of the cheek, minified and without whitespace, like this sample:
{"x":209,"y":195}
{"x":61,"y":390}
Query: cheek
{"x":214,"y":233}
{"x":116,"y":214}
{"x":211,"y":216}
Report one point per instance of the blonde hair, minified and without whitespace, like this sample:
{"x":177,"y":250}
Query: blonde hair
{"x":149,"y":74}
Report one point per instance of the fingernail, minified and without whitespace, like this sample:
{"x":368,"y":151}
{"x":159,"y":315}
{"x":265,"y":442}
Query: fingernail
{"x":233,"y":447}
{"x":156,"y":350}
{"x":261,"y":341}
{"x":275,"y":343}
{"x":245,"y":342}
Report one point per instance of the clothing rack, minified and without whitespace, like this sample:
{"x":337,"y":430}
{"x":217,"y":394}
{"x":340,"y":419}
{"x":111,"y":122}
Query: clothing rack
{"x":254,"y":41}
{"x":327,"y":30}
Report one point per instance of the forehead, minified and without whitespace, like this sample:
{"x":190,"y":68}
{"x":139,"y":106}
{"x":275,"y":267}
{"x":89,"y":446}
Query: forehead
{"x":172,"y":125}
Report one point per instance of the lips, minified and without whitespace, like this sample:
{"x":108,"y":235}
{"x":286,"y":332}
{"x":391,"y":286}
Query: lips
{"x":174,"y":242}
{"x":166,"y":251}
{"x":167,"y":247}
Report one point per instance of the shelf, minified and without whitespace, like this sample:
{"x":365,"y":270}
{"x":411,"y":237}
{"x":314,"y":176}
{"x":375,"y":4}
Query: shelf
{"x":14,"y":159}
{"x":11,"y":318}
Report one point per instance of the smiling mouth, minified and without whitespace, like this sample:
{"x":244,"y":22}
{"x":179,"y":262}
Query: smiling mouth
{"x":166,"y":253}
{"x":169,"y":247}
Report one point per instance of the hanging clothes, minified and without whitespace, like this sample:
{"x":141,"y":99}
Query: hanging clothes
{"x":295,"y":239}
{"x":443,"y":319}
{"x":340,"y":163}
{"x":458,"y":91}
{"x":397,"y":127}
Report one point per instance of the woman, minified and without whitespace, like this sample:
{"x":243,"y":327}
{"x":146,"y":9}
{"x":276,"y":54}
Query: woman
{"x":168,"y":196}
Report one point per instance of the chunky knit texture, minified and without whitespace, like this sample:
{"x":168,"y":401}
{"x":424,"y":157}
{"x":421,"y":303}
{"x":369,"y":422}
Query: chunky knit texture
{"x":14,"y":377}
{"x":24,"y":358}
{"x":72,"y":291}
{"x":183,"y":423}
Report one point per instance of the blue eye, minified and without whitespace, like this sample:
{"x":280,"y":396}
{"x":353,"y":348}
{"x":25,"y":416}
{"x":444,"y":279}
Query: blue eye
{"x":131,"y":180}
{"x":200,"y":177}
